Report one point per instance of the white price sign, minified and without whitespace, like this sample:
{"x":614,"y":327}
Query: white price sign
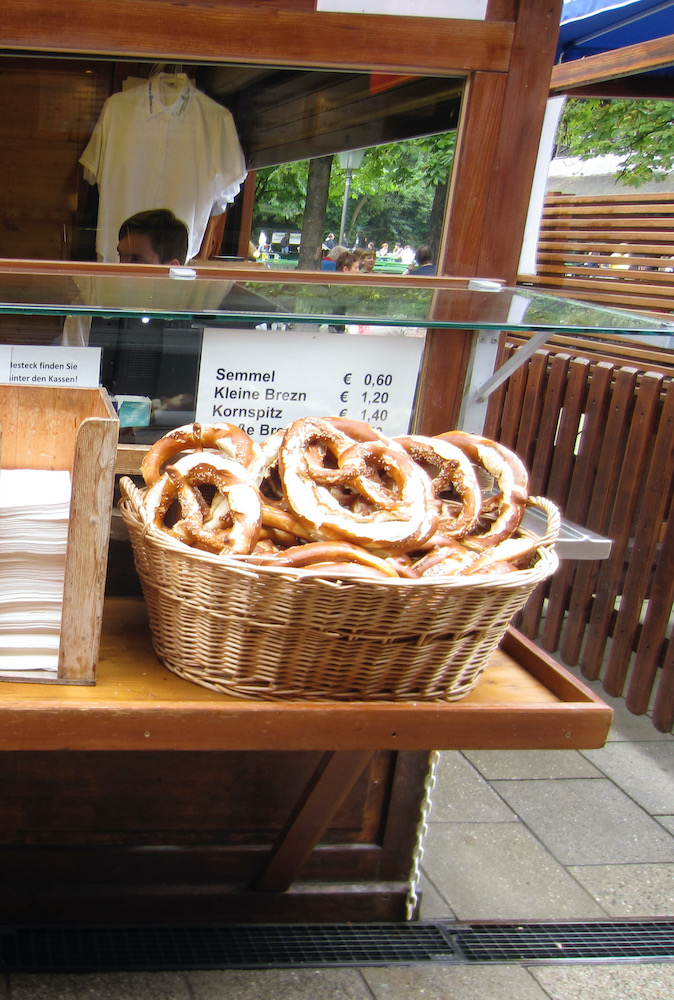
{"x":262,"y":381}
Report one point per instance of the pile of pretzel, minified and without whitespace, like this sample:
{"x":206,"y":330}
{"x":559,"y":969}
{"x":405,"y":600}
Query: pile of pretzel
{"x":338,"y":499}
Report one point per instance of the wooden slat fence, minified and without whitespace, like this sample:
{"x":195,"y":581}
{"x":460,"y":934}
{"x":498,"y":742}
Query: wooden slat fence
{"x":612,"y":249}
{"x":598,"y":437}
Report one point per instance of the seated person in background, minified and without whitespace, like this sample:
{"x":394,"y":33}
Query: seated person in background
{"x":348,"y":262}
{"x":424,"y":262}
{"x":153,"y":237}
{"x":368,"y":258}
{"x":329,"y":261}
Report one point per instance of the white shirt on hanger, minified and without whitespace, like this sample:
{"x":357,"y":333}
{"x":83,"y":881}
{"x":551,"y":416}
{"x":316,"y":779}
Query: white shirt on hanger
{"x":144,"y":154}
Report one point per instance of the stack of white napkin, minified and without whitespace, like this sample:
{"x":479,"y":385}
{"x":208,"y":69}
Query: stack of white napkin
{"x":34,"y":510}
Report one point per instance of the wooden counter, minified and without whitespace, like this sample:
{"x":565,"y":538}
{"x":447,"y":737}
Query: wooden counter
{"x":148,"y":799}
{"x":523,"y":700}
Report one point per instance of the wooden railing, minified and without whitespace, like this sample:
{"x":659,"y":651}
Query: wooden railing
{"x":598,"y":437}
{"x":614,"y":249}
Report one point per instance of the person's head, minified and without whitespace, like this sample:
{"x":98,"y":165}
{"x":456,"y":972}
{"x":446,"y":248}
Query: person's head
{"x":336,"y":252}
{"x":423,"y":255}
{"x":153,"y":237}
{"x":368,"y":258}
{"x":347,"y":262}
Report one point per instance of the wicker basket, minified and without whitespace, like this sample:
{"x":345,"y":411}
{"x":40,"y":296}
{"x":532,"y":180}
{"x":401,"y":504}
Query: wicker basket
{"x":275,"y":633}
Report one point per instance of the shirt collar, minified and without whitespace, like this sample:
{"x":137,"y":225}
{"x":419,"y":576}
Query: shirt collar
{"x":177,"y":109}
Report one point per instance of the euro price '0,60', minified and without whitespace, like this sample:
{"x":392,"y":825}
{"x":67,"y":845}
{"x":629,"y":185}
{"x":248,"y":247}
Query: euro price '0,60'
{"x":378,"y":380}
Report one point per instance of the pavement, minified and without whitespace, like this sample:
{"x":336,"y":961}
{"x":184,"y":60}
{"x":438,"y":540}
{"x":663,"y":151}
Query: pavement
{"x":559,"y":835}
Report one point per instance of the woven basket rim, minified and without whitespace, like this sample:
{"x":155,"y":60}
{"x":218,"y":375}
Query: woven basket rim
{"x":545,"y":565}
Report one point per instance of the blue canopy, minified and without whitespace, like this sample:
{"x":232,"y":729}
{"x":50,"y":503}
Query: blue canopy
{"x":589,"y":27}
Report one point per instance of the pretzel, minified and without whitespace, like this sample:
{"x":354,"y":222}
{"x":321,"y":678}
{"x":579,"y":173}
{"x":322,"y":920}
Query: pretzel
{"x":400,"y":494}
{"x":230,"y":523}
{"x":510,"y":476}
{"x":230,"y":440}
{"x":453,"y":469}
{"x":335,"y":498}
{"x":333,"y":552}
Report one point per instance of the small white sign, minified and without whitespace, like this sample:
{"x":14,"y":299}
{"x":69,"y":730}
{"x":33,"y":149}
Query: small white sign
{"x":54,"y":367}
{"x":261,"y":381}
{"x":470,"y":10}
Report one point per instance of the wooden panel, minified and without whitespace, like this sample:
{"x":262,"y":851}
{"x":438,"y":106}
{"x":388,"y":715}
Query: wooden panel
{"x":580,"y":241}
{"x":650,"y":654}
{"x":599,"y":512}
{"x":601,"y":446}
{"x":653,"y":492}
{"x":216,"y":798}
{"x":257,"y":35}
{"x":627,"y":61}
{"x":634,"y":462}
{"x":48,"y":109}
{"x":513,"y":166}
{"x":301,"y":115}
{"x":40,"y":425}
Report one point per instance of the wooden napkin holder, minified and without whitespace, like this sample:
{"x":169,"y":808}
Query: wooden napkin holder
{"x":76,"y":430}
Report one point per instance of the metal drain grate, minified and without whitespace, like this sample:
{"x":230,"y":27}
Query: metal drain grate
{"x":108,"y":949}
{"x":54,"y":949}
{"x":608,"y":941}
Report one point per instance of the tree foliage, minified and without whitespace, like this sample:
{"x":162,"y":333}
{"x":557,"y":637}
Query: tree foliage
{"x":640,"y":131}
{"x":390,"y":197}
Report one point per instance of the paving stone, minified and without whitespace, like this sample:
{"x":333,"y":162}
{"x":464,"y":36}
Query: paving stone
{"x":585,"y":821}
{"x":453,"y":982}
{"x":667,"y":822}
{"x":499,"y":871}
{"x":279,"y":984}
{"x":606,"y":982}
{"x":433,"y":905}
{"x":630,"y":890}
{"x":463,"y":795}
{"x":101,"y":986}
{"x":513,"y":764}
{"x":645,"y":771}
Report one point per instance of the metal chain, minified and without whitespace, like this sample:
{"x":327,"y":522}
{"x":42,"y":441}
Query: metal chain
{"x":412,"y":900}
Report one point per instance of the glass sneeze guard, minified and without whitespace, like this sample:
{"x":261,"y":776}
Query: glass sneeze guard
{"x":230,"y":299}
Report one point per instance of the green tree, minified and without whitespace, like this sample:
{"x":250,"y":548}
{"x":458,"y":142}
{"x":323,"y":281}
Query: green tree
{"x":641,"y":131}
{"x":391,"y":195}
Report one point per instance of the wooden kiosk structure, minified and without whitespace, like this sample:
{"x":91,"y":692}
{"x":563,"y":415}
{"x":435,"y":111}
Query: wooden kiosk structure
{"x":147,"y":799}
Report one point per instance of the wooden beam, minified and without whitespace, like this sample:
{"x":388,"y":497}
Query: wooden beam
{"x":627,"y":61}
{"x":197,"y":32}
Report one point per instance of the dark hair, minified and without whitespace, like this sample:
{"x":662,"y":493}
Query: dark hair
{"x":423,"y":255}
{"x":345,"y":261}
{"x":168,"y":235}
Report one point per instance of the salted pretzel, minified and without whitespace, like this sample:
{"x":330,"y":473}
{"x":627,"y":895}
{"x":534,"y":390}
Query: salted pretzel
{"x":399,"y":493}
{"x":228,"y":439}
{"x":511,"y":478}
{"x":231,"y":522}
{"x":336,"y":498}
{"x":450,"y":470}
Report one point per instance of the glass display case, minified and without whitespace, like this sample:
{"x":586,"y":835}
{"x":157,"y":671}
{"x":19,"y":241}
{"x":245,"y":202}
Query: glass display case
{"x":249,"y":347}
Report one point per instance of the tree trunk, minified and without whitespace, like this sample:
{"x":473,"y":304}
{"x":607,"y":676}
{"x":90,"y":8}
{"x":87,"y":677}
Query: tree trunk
{"x":437,"y":219}
{"x":313,"y":221}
